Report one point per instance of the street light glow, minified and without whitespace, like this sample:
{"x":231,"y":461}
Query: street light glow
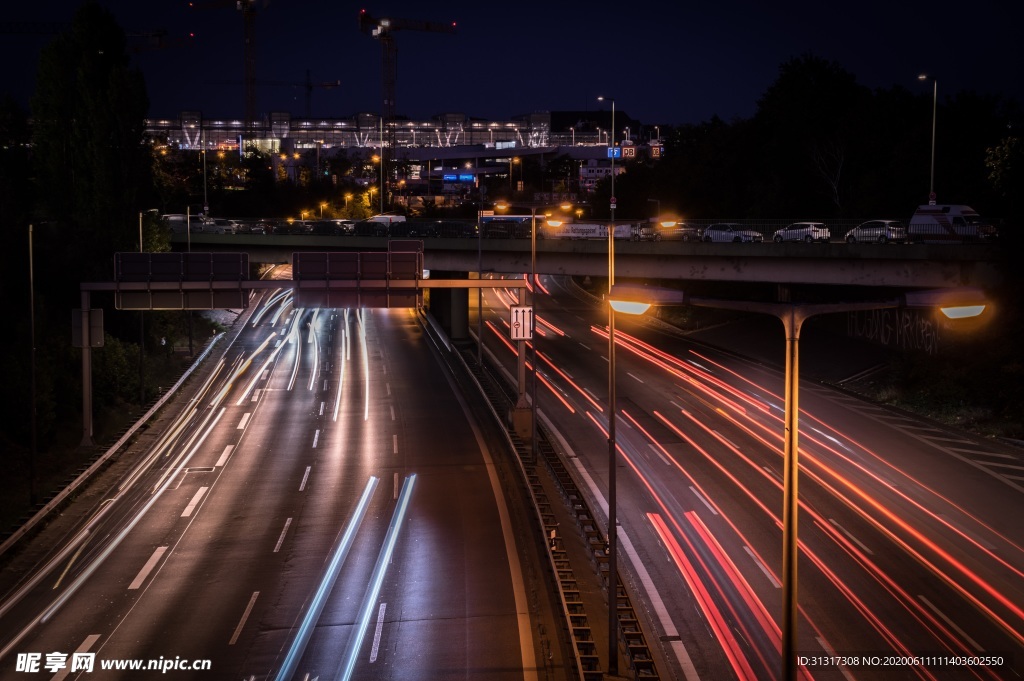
{"x":629,"y":306}
{"x":962,"y":311}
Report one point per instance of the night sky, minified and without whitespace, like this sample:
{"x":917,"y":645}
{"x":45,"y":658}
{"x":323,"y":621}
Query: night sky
{"x":663,"y":62}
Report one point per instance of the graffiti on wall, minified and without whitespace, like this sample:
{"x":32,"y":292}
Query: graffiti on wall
{"x":899,"y":328}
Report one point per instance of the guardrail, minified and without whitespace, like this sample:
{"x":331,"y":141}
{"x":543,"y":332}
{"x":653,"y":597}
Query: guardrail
{"x":584,"y":647}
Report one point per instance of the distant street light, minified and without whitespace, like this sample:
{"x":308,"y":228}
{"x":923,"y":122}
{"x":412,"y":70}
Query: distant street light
{"x":935,"y":106}
{"x":635,"y":299}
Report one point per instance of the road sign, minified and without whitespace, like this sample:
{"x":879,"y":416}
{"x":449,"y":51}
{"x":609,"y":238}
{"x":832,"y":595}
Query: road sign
{"x":521,"y":322}
{"x":629,"y":152}
{"x":614,"y":152}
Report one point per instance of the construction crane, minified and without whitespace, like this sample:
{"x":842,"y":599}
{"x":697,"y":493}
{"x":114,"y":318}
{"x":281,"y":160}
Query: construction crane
{"x":248,"y":10}
{"x":382,"y":30}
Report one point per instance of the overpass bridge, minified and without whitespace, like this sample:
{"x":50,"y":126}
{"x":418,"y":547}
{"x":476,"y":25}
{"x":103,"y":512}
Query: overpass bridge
{"x":821,"y":264}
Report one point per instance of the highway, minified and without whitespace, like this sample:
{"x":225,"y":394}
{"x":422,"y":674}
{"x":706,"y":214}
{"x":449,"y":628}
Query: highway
{"x":324,"y":507}
{"x":912,"y":549}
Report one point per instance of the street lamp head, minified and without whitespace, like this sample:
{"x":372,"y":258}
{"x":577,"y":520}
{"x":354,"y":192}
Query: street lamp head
{"x":956,"y":303}
{"x":922,"y":76}
{"x":637,"y":298}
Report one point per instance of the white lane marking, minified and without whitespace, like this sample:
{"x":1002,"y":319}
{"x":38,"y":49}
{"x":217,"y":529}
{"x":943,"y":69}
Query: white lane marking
{"x":767,"y":573}
{"x":772,"y":473}
{"x":147,"y":568}
{"x":316,"y":437}
{"x":195,"y":502}
{"x":661,"y":456}
{"x":84,"y":648}
{"x":284,"y":531}
{"x":1000,"y":465}
{"x":966,"y":532}
{"x":392,"y":412}
{"x":725,"y":439}
{"x":376,"y":633}
{"x":689,"y":671}
{"x":585,"y":346}
{"x":851,"y":537}
{"x":225,"y":455}
{"x":832,"y":653}
{"x":305,"y":476}
{"x":394,"y":443}
{"x":244,"y":421}
{"x":245,"y":616}
{"x":974,"y":644}
{"x":705,"y":501}
{"x":982,"y":452}
{"x":637,"y":378}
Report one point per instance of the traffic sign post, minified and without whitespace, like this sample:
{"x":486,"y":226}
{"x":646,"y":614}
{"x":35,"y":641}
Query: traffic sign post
{"x":521,"y":322}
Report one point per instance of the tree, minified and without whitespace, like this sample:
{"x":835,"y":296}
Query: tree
{"x":88,"y":124}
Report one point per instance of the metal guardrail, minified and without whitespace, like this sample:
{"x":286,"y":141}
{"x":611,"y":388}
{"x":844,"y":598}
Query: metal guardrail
{"x":100,"y":459}
{"x":584,"y":648}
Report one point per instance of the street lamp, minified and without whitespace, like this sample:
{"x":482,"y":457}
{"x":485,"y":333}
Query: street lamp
{"x":511,"y":160}
{"x":935,"y":106}
{"x":613,"y":616}
{"x":533,"y":301}
{"x":953,"y":303}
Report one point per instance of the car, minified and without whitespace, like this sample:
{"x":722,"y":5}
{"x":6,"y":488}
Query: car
{"x":802,"y":231}
{"x":878,"y":231}
{"x":731,"y":232}
{"x":219,"y":226}
{"x":949,"y":224}
{"x":344,"y":227}
{"x":676,"y":231}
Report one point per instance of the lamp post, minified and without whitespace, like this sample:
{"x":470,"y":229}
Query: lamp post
{"x":511,"y":160}
{"x":935,"y":106}
{"x":613,"y":617}
{"x":953,"y":303}
{"x":533,"y":320}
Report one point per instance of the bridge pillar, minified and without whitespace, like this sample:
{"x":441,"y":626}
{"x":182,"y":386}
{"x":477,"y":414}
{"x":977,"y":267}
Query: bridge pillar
{"x":450,"y":306}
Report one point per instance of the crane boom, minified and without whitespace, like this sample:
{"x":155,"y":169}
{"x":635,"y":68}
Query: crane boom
{"x":382,"y":30}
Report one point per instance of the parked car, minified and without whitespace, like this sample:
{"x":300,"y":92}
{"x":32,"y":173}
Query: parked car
{"x":802,"y":231}
{"x":679,"y":231}
{"x":939,"y":224}
{"x":325,"y":228}
{"x":345,"y":227}
{"x":731,"y":232}
{"x":218,"y":226}
{"x":879,"y":231}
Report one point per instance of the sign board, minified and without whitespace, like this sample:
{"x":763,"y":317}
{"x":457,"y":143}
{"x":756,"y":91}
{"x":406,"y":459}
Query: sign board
{"x":614,"y":152}
{"x":629,"y":152}
{"x":521,"y":322}
{"x":180,"y":281}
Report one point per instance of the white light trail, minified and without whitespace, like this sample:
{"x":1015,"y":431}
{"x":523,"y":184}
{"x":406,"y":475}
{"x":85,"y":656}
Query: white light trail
{"x":326,"y":584}
{"x":379,"y":570}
